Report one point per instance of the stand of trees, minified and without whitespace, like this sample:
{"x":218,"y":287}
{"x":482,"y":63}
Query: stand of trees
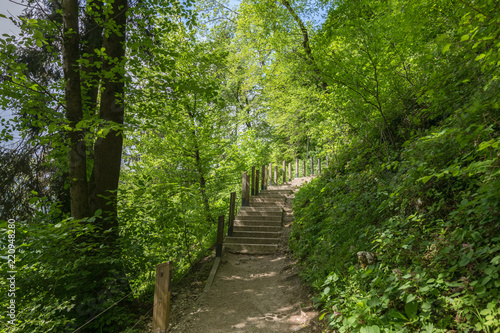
{"x":138,"y":117}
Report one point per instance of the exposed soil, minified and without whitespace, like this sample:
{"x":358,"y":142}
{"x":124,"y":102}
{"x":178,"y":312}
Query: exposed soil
{"x":252,"y":294}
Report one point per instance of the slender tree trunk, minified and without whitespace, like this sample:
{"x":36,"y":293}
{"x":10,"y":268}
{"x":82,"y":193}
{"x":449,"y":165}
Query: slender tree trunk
{"x":203,"y":185}
{"x":306,"y":45}
{"x":74,"y":113}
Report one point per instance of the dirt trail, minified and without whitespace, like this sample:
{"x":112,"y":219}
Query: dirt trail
{"x":253,"y":293}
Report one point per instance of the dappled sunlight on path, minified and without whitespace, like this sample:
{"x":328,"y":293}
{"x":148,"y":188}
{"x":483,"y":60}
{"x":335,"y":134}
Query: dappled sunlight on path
{"x":252,"y":294}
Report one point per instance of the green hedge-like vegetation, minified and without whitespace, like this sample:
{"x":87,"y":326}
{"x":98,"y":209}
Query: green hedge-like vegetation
{"x":431,"y":217}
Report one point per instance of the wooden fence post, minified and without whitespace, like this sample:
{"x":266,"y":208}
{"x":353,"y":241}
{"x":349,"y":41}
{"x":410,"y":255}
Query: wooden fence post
{"x":256,"y":182}
{"x":290,"y":172}
{"x":327,"y":161}
{"x":248,"y":190}
{"x":244,"y":190}
{"x":270,"y":174}
{"x":220,"y":236}
{"x":296,"y":168}
{"x":275,"y":175}
{"x":319,"y":166}
{"x":161,"y":312}
{"x":304,"y":168}
{"x":312,"y":166}
{"x":263,"y":180}
{"x":284,"y":172}
{"x":232,"y":204}
{"x":252,"y":183}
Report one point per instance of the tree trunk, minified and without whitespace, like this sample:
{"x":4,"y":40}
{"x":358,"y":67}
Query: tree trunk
{"x":306,"y":45}
{"x":74,"y":113}
{"x":108,"y":150}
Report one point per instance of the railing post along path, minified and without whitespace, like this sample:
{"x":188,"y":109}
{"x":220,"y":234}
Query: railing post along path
{"x":304,"y":168}
{"x":275,"y":175}
{"x":161,"y":310}
{"x":319,"y":166}
{"x":284,"y":172}
{"x":253,"y":181}
{"x":248,"y":190}
{"x":220,"y":236}
{"x":263,"y":180}
{"x":296,"y":168}
{"x":312,"y":166}
{"x":232,"y":208}
{"x":290,"y":172}
{"x":244,"y":186}
{"x":270,"y":174}
{"x":256,"y":182}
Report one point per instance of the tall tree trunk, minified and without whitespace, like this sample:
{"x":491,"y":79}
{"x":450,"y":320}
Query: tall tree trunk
{"x":74,"y":113}
{"x":108,"y":150}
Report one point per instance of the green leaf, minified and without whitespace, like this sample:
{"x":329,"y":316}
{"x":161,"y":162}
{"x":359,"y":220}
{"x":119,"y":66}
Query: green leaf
{"x":373,"y":302}
{"x":481,"y":56}
{"x":464,"y":38}
{"x":410,"y":298}
{"x":425,"y":179}
{"x":411,"y":309}
{"x":464,"y":261}
{"x":370,"y":329}
{"x":446,"y":48}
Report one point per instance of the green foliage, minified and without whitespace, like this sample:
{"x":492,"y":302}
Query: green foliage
{"x":426,"y":201}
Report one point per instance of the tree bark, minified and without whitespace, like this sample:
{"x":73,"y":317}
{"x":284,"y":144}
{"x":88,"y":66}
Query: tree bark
{"x":74,"y":113}
{"x":108,"y":149}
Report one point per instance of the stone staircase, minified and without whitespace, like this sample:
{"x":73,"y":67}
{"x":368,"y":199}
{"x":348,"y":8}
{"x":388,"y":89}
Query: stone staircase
{"x":257,"y":227}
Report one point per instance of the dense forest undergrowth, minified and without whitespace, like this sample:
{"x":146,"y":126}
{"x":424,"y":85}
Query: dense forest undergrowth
{"x":137,"y":118}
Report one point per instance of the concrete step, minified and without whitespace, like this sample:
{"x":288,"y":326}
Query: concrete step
{"x":260,"y":198}
{"x":256,"y":234}
{"x":275,"y":192}
{"x":258,"y":228}
{"x":251,"y":248}
{"x":267,"y":204}
{"x":262,"y":223}
{"x":260,"y":212}
{"x":249,"y":209}
{"x":259,"y":217}
{"x":251,"y":240}
{"x":279,"y":187}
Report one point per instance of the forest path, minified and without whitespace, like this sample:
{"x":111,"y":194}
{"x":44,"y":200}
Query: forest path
{"x":254,"y":293}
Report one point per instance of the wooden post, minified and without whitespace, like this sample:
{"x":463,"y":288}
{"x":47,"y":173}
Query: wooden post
{"x":312,"y":166}
{"x":256,"y":182}
{"x":220,"y":236}
{"x":270,"y":174}
{"x":304,"y":168}
{"x":284,"y":172}
{"x":232,"y":204}
{"x":319,"y":166}
{"x":296,"y":168}
{"x":263,"y":180}
{"x":248,"y":191}
{"x":327,"y":160}
{"x":252,"y":184}
{"x":275,"y":175}
{"x":290,"y":172}
{"x":161,"y":310}
{"x":244,"y":190}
